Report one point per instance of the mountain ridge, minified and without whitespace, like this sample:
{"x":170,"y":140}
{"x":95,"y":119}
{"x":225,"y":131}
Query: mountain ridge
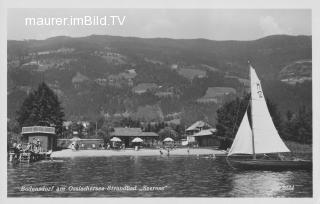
{"x":181,"y":68}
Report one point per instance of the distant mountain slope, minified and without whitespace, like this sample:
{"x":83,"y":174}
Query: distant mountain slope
{"x":90,"y":77}
{"x":268,"y":54}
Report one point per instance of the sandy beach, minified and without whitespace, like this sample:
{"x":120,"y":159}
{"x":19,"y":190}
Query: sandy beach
{"x":130,"y":152}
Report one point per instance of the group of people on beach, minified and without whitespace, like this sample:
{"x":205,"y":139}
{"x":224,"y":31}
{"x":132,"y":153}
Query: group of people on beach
{"x":34,"y":146}
{"x":31,"y":147}
{"x":168,"y":149}
{"x":76,"y":146}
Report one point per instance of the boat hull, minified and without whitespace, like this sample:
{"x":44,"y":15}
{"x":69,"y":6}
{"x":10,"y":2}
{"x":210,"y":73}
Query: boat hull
{"x":277,"y":165}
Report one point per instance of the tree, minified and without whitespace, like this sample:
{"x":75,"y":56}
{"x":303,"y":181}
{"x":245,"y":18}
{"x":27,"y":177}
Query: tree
{"x":129,"y":122}
{"x":298,"y":126}
{"x":105,"y":132}
{"x":77,"y":127}
{"x":305,"y":124}
{"x":13,"y":126}
{"x":168,"y":132}
{"x":41,"y":107}
{"x":230,"y":115}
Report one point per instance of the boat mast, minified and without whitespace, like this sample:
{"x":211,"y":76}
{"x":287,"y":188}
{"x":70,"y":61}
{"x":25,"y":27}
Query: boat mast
{"x":253,"y":150}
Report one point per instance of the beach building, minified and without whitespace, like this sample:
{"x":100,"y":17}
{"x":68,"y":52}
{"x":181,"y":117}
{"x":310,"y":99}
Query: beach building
{"x":46,"y":135}
{"x":202,"y":137}
{"x":128,"y":134}
{"x":197,"y":127}
{"x":207,"y":138}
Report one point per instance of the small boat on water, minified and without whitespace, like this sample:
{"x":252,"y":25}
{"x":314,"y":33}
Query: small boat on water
{"x":260,"y":138}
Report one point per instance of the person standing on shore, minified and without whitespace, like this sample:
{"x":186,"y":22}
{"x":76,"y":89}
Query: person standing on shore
{"x":161,"y":153}
{"x":72,"y":146}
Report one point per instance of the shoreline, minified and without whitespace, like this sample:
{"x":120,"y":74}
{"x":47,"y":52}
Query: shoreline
{"x":131,"y":152}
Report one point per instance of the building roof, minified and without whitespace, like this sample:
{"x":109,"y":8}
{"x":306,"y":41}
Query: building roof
{"x":198,"y":125}
{"x":148,"y":134}
{"x":38,"y":129}
{"x":132,"y":132}
{"x":207,"y":132}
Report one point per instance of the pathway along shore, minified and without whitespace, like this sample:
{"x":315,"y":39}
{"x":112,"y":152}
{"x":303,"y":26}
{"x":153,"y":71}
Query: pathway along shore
{"x":130,"y":152}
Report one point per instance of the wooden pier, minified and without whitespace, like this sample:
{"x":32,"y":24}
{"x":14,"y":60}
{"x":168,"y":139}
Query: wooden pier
{"x":28,"y":157}
{"x":38,"y":142}
{"x":31,"y":157}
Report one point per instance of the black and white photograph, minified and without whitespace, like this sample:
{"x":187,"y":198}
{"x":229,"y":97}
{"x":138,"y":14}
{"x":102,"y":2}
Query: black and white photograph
{"x":111,"y":102}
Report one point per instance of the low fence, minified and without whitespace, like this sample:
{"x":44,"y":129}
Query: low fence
{"x":83,"y":143}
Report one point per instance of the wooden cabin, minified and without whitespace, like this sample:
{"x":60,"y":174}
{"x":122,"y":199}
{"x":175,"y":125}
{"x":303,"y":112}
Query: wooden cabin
{"x":128,"y":134}
{"x":46,"y":136}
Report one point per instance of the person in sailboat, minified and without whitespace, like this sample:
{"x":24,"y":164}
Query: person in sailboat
{"x":281,"y":157}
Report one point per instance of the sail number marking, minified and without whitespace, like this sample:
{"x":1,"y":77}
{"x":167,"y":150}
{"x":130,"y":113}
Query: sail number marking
{"x":259,"y":92}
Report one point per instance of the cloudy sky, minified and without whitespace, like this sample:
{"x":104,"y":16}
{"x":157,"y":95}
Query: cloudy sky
{"x":215,"y":24}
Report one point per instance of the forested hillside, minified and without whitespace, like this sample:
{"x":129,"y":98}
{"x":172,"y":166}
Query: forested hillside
{"x":157,"y":79}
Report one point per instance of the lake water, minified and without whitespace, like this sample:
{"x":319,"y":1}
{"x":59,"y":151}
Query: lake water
{"x":151,"y":176}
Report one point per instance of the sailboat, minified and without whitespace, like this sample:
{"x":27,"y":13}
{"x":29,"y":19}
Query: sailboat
{"x":260,"y":138}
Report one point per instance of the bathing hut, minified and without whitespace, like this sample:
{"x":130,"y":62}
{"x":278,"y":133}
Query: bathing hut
{"x":207,"y":138}
{"x":46,"y":136}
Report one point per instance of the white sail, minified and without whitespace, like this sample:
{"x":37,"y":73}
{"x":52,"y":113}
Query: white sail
{"x":242,"y":143}
{"x":266,"y":137}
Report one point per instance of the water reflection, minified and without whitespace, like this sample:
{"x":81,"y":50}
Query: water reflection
{"x":182,"y":176}
{"x":265,"y":184}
